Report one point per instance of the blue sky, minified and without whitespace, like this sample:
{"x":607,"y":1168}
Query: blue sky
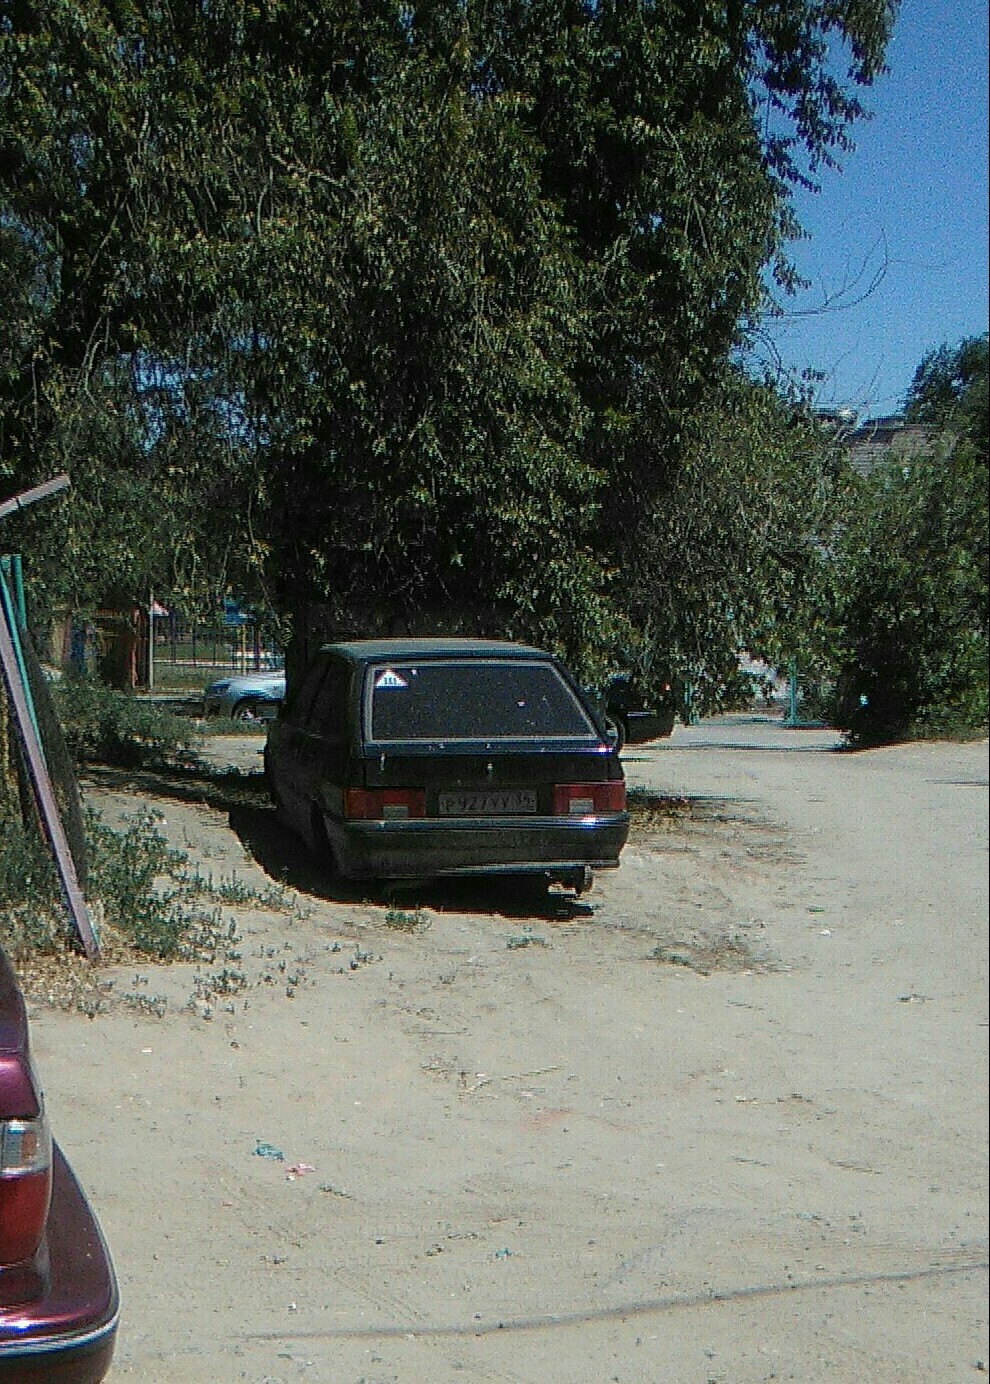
{"x":909,"y":208}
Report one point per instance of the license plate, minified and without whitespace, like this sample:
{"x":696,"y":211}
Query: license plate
{"x":487,"y":802}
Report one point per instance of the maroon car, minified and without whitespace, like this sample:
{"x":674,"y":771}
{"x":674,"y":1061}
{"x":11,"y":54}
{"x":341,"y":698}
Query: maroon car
{"x":58,"y":1293}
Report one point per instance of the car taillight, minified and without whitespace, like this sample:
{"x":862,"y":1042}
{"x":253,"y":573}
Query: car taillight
{"x":589,"y":799}
{"x":25,"y":1186}
{"x":383,"y":804}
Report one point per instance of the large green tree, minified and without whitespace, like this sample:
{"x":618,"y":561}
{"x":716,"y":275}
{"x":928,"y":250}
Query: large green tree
{"x":402,"y":307}
{"x":733,"y":556}
{"x":950,"y":392}
{"x":912,"y":571}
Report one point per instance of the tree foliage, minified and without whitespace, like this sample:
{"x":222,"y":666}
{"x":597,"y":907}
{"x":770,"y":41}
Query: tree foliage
{"x":913,"y":575}
{"x":733,"y":558}
{"x":950,"y":391}
{"x":409,"y":308}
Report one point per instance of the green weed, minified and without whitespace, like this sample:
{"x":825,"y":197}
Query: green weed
{"x":235,"y":893}
{"x":140,"y":889}
{"x":141,"y":882}
{"x":525,"y":939}
{"x":401,"y":920}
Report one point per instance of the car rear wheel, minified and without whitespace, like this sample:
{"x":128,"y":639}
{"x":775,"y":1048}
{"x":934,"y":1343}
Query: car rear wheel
{"x":320,"y":845}
{"x":281,"y":814}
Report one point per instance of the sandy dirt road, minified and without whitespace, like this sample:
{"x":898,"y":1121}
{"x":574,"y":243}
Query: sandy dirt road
{"x":726,"y":1123}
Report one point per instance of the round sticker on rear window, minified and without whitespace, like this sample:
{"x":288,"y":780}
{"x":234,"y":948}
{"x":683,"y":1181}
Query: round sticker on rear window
{"x":389,"y":679}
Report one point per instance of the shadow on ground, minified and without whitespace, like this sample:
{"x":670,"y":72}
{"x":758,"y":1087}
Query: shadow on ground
{"x":285,"y":859}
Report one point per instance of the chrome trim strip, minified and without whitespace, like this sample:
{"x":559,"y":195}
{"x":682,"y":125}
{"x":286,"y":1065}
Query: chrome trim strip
{"x":446,"y":826}
{"x":54,"y":1344}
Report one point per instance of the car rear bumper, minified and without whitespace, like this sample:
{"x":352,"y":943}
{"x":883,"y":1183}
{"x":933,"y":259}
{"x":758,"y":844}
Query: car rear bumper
{"x":66,"y":1333}
{"x":427,"y":848}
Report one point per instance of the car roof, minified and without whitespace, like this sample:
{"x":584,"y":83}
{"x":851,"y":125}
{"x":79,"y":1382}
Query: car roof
{"x":375,"y":650}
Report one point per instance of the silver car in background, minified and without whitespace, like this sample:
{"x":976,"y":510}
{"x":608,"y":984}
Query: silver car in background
{"x":246,"y":696}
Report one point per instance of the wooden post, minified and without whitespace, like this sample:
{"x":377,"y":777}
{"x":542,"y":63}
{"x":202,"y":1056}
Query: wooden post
{"x":45,"y":795}
{"x":37,"y":769}
{"x":29,"y":497}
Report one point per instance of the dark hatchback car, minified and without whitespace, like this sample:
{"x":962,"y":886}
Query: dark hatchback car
{"x":58,"y":1293}
{"x":412,"y":759}
{"x":633,"y":719}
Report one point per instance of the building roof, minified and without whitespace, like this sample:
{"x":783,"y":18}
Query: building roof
{"x":878,"y":439}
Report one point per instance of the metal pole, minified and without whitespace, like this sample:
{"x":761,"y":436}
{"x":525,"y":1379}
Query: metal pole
{"x":15,"y":638}
{"x":45,"y":797}
{"x":792,"y":695}
{"x":37,"y":769}
{"x":151,"y":642}
{"x":20,"y":604}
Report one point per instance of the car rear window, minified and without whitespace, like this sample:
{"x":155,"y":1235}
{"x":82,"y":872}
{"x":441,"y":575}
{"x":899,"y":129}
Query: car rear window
{"x":489,"y":699}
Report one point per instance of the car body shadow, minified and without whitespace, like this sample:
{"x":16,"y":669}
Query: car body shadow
{"x":287,"y":861}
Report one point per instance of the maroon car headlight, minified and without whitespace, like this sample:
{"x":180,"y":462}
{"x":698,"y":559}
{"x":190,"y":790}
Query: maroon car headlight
{"x":589,"y":799}
{"x":25,"y":1186}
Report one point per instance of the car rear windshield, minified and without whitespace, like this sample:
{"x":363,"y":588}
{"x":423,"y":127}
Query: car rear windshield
{"x":480,"y":699}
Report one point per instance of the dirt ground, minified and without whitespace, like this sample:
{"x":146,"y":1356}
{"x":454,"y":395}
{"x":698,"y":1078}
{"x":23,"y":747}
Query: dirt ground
{"x":725,"y":1120}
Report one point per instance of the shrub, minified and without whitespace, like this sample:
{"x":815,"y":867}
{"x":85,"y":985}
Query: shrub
{"x":109,"y":727}
{"x":141,"y":883}
{"x":914,"y":569}
{"x":913,"y":603}
{"x":138,"y":881}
